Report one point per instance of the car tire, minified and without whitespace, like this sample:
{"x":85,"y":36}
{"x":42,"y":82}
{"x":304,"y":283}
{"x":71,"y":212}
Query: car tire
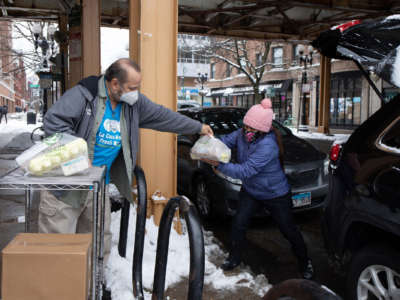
{"x":371,"y":272}
{"x":201,"y":198}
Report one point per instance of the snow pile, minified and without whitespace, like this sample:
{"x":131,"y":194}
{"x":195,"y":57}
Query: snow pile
{"x":118,"y":272}
{"x":17,"y":124}
{"x":336,"y":138}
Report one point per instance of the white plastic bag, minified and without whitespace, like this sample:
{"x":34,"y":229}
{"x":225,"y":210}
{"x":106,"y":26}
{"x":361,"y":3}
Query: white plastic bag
{"x":58,"y":154}
{"x":211,"y":148}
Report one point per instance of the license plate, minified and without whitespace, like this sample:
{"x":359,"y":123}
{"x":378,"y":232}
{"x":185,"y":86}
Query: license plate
{"x":301,"y":199}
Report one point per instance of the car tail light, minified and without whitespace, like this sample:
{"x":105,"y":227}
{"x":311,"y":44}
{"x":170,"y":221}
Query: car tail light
{"x":335,"y":151}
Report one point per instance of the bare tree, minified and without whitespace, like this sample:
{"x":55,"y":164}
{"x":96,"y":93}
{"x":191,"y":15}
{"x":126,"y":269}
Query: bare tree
{"x":248,"y":57}
{"x":32,"y":57}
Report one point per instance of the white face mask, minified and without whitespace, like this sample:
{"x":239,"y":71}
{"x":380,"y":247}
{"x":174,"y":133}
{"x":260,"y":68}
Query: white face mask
{"x":130,"y":97}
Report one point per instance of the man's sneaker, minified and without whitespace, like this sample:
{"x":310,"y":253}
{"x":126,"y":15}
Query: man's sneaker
{"x":229,"y":264}
{"x":307,"y":270}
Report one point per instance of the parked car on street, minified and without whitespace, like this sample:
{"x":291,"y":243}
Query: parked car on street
{"x":181,"y":104}
{"x":217,"y":194}
{"x":361,"y":221}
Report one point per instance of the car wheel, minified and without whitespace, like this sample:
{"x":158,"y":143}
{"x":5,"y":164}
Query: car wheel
{"x":202,"y":201}
{"x":374,"y":274}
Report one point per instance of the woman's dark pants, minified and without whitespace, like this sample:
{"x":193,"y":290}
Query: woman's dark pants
{"x":281,"y":212}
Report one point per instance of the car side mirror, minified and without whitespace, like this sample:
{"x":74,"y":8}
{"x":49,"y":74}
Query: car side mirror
{"x":362,"y":190}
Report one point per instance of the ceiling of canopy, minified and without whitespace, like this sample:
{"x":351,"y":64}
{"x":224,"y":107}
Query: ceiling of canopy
{"x":260,"y":19}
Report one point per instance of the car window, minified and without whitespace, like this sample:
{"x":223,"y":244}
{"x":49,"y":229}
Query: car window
{"x":283,"y":130}
{"x":187,"y":105}
{"x":223,"y":121}
{"x":386,"y":186}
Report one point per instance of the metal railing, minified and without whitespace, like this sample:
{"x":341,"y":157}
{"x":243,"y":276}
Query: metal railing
{"x":196,"y":242}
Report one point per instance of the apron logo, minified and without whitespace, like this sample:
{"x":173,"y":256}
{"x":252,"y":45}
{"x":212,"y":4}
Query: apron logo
{"x":112,"y":125}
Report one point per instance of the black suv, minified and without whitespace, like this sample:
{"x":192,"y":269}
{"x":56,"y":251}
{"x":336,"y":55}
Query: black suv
{"x":362,"y":219}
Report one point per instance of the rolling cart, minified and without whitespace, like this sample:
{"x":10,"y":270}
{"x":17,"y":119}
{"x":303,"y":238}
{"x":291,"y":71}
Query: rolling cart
{"x":92,"y":179}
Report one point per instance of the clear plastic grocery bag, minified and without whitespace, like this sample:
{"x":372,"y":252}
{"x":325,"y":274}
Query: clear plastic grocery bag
{"x":60,"y":154}
{"x":210,"y":147}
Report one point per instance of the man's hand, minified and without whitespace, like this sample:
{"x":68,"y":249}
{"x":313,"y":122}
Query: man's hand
{"x":210,"y":162}
{"x":206,"y":130}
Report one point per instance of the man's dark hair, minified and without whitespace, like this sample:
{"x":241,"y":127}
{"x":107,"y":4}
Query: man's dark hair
{"x":118,"y":69}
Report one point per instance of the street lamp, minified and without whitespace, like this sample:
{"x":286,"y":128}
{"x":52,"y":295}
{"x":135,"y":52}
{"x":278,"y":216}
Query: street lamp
{"x":202,"y":78}
{"x":45,"y":45}
{"x":305,"y":59}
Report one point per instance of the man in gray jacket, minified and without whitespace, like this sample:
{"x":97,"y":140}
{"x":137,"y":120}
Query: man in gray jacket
{"x":107,"y":112}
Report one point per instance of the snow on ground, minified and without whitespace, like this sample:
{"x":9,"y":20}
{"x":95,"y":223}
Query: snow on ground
{"x":16,"y":124}
{"x":338,"y":138}
{"x":118,"y":272}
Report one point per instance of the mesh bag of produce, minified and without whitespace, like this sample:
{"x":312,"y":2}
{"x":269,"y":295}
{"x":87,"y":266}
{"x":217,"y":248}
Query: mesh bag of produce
{"x":60,"y":154}
{"x":210,"y":147}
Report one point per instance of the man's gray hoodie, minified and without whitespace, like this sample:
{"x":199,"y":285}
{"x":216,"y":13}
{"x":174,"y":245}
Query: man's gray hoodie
{"x":78,"y":113}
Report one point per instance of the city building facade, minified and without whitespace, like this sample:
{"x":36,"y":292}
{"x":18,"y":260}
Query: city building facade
{"x":193,"y":68}
{"x":21,"y":95}
{"x":292,"y":83}
{"x":13,"y":90}
{"x":6,"y":79}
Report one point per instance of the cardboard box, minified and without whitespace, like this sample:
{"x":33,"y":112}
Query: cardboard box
{"x":39,"y":266}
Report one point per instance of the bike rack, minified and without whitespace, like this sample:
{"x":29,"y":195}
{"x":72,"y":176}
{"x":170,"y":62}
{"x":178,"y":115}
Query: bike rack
{"x":196,"y":242}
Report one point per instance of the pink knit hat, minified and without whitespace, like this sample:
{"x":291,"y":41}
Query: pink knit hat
{"x":260,"y":116}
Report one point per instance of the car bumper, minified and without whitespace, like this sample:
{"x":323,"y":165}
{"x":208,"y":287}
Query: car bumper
{"x":226,"y":197}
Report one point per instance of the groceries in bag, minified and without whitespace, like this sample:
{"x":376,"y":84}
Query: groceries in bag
{"x":209,"y":147}
{"x":58,"y":154}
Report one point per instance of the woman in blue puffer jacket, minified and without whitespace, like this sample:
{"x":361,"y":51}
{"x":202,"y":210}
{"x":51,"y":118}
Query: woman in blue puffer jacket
{"x":264,"y":184}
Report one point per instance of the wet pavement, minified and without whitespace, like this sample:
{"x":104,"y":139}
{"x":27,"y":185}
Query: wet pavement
{"x":269,"y":253}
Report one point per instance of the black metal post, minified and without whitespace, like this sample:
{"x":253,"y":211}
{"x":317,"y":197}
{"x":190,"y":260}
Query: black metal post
{"x":196,"y":242}
{"x":305,"y":59}
{"x":202,"y":94}
{"x":139,"y":234}
{"x":44,"y":101}
{"x":123,"y":229}
{"x":303,"y":113}
{"x":202,"y":78}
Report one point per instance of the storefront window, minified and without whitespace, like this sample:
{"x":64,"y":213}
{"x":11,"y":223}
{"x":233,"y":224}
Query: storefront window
{"x":248,"y":101}
{"x":240,"y":101}
{"x":223,"y":101}
{"x":282,"y":107}
{"x":277,"y":56}
{"x":345,"y":102}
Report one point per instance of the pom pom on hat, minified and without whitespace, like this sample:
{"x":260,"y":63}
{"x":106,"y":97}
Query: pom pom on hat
{"x":266,"y":103}
{"x":260,"y":116}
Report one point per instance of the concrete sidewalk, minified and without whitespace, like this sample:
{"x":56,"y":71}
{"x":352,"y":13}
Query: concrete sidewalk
{"x":12,"y":202}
